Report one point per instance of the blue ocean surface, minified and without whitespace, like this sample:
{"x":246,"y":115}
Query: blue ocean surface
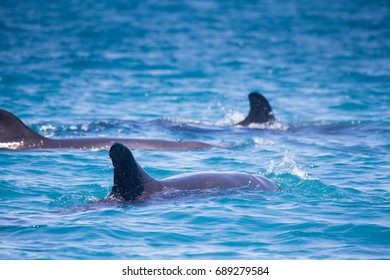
{"x":182,"y":70}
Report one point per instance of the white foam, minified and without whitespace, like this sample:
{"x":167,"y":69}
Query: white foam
{"x":47,"y":130}
{"x":231,"y":118}
{"x":263,"y":142}
{"x":85,"y":127}
{"x":11,"y":145}
{"x":47,"y":127}
{"x":287,"y":165}
{"x":272,"y":126}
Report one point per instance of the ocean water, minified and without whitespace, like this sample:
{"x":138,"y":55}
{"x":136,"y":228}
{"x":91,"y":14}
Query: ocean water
{"x":181,"y":70}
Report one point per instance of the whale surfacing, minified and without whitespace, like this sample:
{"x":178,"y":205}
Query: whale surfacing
{"x":15,"y":135}
{"x":260,"y":111}
{"x":131,"y":182}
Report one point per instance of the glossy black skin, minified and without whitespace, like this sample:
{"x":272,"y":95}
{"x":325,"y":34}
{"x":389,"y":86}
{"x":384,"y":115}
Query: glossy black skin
{"x":132,"y":183}
{"x":260,"y":110}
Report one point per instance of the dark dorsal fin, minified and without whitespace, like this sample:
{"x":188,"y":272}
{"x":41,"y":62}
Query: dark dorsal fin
{"x":12,"y":129}
{"x":129,"y":177}
{"x":260,"y":110}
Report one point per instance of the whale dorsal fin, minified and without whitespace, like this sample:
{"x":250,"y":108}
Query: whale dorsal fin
{"x":12,"y":129}
{"x":260,"y":110}
{"x":129,"y":177}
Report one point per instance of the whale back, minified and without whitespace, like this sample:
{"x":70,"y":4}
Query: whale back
{"x":12,"y":129}
{"x":129,"y":177}
{"x":260,"y":110}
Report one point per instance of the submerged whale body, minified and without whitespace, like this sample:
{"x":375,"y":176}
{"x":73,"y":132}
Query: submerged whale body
{"x":131,"y":182}
{"x":15,"y":135}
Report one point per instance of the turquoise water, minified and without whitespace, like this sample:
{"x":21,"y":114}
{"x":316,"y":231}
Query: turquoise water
{"x":182,"y":71}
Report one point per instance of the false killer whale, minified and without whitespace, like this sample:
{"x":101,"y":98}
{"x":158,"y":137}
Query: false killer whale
{"x":131,"y":182}
{"x":260,"y":111}
{"x":15,"y":135}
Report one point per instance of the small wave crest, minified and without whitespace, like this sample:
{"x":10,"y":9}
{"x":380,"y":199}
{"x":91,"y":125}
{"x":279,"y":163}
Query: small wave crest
{"x":54,"y":129}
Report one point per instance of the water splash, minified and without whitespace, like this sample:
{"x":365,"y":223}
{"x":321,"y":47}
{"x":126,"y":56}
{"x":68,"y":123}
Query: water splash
{"x":271,"y":126}
{"x":288,"y":165}
{"x":261,"y":141}
{"x":11,"y":145}
{"x":231,"y":118}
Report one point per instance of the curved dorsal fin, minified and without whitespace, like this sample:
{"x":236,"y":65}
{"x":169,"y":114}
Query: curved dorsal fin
{"x":129,"y":177}
{"x":260,"y":110}
{"x":12,"y":129}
